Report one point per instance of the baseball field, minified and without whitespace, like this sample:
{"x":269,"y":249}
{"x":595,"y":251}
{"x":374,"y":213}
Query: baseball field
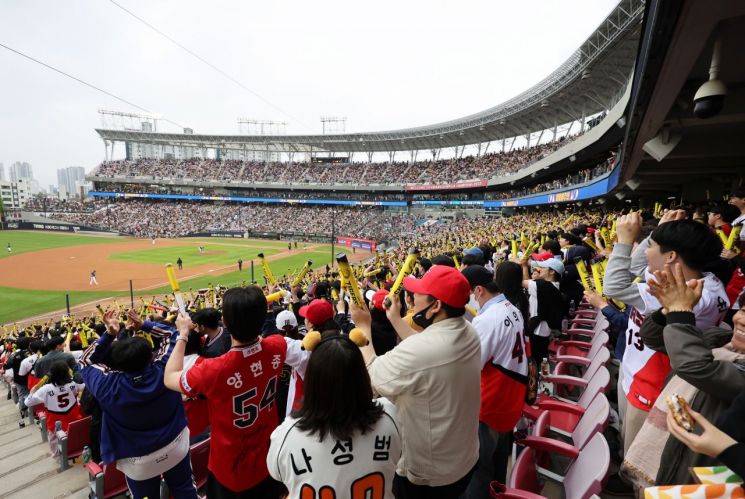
{"x":42,"y":268}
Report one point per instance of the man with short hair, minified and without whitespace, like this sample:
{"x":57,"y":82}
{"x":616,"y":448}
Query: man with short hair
{"x":504,"y":378}
{"x":240,"y":387}
{"x":216,"y":339}
{"x":56,"y":351}
{"x":674,"y":241}
{"x":721,"y":217}
{"x":433,"y":378}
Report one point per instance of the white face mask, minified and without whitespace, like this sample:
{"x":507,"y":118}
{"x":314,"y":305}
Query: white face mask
{"x":472,"y":303}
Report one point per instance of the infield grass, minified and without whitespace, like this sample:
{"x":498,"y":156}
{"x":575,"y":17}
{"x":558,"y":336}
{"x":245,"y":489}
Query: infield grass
{"x":215,"y":254}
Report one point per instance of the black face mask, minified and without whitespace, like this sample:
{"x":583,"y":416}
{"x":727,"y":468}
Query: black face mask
{"x":420,"y":318}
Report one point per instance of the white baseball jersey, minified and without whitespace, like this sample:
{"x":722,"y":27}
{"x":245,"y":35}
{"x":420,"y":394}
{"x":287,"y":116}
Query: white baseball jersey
{"x":645,"y":370}
{"x":355,"y":469}
{"x":57,"y":399}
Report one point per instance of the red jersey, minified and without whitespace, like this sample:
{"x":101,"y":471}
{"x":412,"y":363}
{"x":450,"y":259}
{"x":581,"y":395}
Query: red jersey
{"x":240,"y":387}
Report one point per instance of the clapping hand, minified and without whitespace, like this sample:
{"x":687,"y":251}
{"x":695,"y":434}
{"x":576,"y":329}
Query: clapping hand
{"x":134,"y":323}
{"x":673,"y":291}
{"x":111,"y":321}
{"x":628,"y":228}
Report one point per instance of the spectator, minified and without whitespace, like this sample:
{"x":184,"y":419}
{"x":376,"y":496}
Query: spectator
{"x":433,"y":379}
{"x":143,"y":426}
{"x":60,"y":397}
{"x":341,"y":439}
{"x":240,"y":387}
{"x":504,"y":372}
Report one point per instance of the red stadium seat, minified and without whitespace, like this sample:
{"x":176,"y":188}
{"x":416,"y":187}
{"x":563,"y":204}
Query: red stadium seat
{"x":105,"y":481}
{"x":200,"y":453}
{"x":568,"y":413}
{"x":71,"y":444}
{"x":584,"y":479}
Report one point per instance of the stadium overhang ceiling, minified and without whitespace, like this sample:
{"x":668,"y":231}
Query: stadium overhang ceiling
{"x":696,"y":158}
{"x":592,"y":80}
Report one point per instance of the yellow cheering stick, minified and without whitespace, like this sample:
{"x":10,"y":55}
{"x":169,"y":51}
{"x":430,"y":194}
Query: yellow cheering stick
{"x":734,"y":235}
{"x":299,"y":279}
{"x":407,"y":269}
{"x":277,"y":296}
{"x":605,"y":234}
{"x":348,"y":280}
{"x":267,"y":271}
{"x":171,"y":272}
{"x":722,"y":236}
{"x":588,"y":241}
{"x":597,"y":276}
{"x":513,"y":247}
{"x":583,"y":276}
{"x":457,"y":263}
{"x":372,"y":272}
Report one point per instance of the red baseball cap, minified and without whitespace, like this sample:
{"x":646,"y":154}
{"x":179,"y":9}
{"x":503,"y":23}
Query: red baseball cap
{"x":378,"y":298}
{"x":444,"y":283}
{"x":540,"y":257}
{"x":317,"y":312}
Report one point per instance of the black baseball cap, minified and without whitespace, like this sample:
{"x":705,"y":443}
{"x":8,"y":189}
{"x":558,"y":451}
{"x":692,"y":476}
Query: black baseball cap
{"x":478,"y":275}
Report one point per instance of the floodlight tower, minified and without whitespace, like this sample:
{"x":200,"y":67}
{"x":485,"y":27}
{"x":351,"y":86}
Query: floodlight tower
{"x":334,"y":124}
{"x":261,"y":127}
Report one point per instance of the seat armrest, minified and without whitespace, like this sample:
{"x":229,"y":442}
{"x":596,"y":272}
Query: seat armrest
{"x":558,"y":405}
{"x":550,"y":445}
{"x":560,"y":379}
{"x":573,"y":359}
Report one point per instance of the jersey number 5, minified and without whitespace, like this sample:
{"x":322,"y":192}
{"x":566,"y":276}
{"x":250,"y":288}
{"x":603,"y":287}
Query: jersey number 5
{"x":247,"y":411}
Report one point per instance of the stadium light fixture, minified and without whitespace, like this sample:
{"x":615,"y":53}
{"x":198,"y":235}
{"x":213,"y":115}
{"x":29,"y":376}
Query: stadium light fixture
{"x":633,"y":184}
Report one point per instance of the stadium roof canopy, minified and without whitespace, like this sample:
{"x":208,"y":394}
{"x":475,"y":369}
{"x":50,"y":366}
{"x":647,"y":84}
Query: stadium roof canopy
{"x":668,"y":150}
{"x":592,"y":80}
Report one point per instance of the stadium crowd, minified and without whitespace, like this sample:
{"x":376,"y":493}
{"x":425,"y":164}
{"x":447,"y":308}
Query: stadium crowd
{"x":443,"y":171}
{"x":307,"y":387}
{"x":149,"y":218}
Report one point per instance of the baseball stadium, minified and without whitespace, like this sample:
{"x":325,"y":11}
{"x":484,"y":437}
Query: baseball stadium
{"x":540,"y":299}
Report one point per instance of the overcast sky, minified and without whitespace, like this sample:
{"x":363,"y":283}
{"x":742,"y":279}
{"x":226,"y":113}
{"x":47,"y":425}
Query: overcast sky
{"x":385,"y":64}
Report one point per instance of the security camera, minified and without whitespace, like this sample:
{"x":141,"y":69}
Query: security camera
{"x":709,"y":99}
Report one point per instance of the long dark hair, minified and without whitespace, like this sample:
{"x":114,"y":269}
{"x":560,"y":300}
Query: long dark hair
{"x":338,"y":398}
{"x":508,"y":277}
{"x":59,"y":373}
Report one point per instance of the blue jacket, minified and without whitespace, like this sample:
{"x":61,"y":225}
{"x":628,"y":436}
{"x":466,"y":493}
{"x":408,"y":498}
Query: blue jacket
{"x":618,"y":321}
{"x":140,"y":415}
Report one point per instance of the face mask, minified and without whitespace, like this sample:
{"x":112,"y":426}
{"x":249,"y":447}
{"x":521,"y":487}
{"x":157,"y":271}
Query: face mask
{"x":473,"y":303}
{"x":420,"y":318}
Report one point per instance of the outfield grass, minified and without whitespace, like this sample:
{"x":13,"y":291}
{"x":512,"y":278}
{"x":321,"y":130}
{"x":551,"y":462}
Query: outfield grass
{"x":215,"y":254}
{"x":17,"y":304}
{"x":24,"y":242}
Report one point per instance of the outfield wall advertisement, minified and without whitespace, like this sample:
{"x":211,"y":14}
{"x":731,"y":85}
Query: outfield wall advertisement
{"x":240,"y":199}
{"x":51,"y":226}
